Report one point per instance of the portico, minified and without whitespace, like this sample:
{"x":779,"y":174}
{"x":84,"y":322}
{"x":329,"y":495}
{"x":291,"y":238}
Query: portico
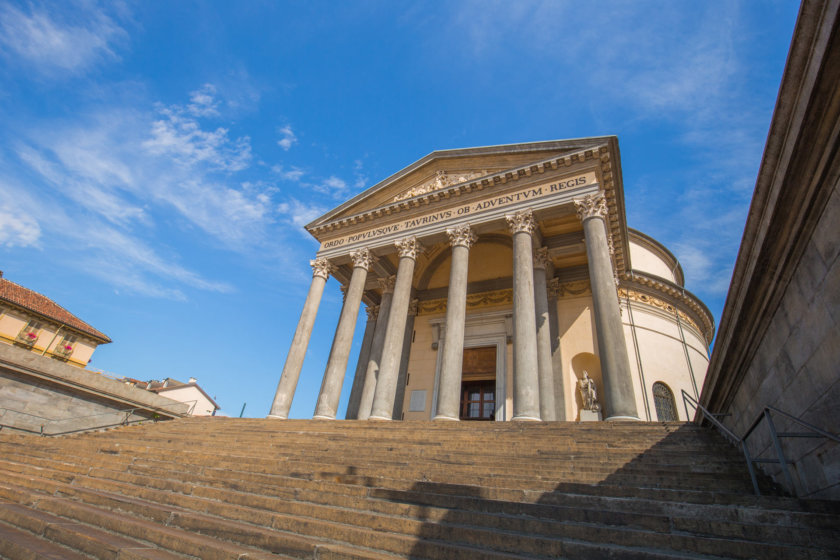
{"x":474,"y":249}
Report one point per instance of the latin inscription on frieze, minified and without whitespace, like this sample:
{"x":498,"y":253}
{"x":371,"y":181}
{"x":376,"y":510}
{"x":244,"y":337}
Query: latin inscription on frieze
{"x":471,"y":209}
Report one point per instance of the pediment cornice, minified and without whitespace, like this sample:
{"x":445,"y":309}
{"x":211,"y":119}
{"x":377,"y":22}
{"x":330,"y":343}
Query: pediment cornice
{"x":603,"y":154}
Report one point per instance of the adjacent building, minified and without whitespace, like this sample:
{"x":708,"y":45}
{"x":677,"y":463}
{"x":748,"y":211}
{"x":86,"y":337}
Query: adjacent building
{"x":503,"y":283}
{"x":36,"y":323}
{"x":190,"y":393}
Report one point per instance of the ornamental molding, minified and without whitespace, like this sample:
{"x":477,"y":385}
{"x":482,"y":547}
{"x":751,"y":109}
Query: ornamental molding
{"x":413,"y":308}
{"x":362,"y":258}
{"x":557,"y":289}
{"x":592,"y":206}
{"x":669,"y":297}
{"x":441,"y":180}
{"x":522,"y":221}
{"x":461,"y":236}
{"x":408,"y":247}
{"x":484,"y":299}
{"x":321,"y":268}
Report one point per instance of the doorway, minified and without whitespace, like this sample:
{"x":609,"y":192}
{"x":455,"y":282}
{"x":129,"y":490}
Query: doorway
{"x":478,"y":384}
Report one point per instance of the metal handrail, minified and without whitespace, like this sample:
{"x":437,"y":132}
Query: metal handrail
{"x":765,"y":414}
{"x":125,"y":421}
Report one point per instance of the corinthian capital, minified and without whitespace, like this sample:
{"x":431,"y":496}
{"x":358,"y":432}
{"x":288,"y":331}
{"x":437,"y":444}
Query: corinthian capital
{"x":409,"y":247}
{"x":541,"y":259}
{"x":372,"y":312}
{"x":387,"y":284}
{"x":361,"y":258}
{"x":462,"y":235}
{"x":592,"y":206}
{"x":321,"y":267}
{"x":521,"y":221}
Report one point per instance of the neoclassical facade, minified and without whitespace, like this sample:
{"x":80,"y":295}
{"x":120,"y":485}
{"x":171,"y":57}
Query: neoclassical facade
{"x":502,"y":283}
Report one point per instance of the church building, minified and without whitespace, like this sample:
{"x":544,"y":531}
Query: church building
{"x":503,"y":283}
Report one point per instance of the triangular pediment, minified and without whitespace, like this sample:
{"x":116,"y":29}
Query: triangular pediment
{"x":447,"y":168}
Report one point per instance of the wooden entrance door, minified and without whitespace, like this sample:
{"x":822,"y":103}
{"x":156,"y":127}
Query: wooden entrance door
{"x":478,"y":384}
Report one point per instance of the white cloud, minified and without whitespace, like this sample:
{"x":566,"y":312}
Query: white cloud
{"x":299,"y":214}
{"x":203,"y":102}
{"x":17,"y":229}
{"x":333,"y":186}
{"x":294,"y":174}
{"x":181,"y":138}
{"x":48,"y":45}
{"x":288,"y":139}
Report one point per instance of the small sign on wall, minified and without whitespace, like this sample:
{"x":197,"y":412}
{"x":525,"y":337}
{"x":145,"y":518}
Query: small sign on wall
{"x":417,"y":402}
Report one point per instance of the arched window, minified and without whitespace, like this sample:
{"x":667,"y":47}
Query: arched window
{"x":666,"y":406}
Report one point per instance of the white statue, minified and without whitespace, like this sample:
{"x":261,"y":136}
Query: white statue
{"x":588,"y":393}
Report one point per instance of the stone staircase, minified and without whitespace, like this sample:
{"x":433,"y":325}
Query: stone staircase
{"x":218,"y":488}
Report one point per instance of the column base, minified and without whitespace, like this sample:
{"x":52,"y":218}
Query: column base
{"x":446,"y":419}
{"x":322,"y":417}
{"x":525,"y":419}
{"x":623,"y":419}
{"x":275,"y":417}
{"x":379,"y":419}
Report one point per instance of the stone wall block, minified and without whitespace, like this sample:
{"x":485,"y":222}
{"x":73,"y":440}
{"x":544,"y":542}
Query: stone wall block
{"x":825,"y":237}
{"x":831,"y":290}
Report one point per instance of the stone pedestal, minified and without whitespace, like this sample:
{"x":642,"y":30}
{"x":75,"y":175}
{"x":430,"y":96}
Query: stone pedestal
{"x":590,"y":416}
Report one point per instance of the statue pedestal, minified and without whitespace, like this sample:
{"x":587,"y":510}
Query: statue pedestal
{"x":590,"y":416}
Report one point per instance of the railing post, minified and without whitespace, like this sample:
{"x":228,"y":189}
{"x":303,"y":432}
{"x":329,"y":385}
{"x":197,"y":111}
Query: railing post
{"x":750,"y":467}
{"x":779,"y":452}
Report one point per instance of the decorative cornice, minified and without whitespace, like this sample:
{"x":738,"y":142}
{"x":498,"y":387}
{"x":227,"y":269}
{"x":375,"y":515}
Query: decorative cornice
{"x":321,"y":267}
{"x":667,"y":295}
{"x":362,"y":258}
{"x":599,"y":153}
{"x":409,"y":247}
{"x":461,"y":236}
{"x":522,"y":221}
{"x":592,"y":206}
{"x":483,"y":299}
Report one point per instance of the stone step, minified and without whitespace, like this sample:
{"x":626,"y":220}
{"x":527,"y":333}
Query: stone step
{"x":418,"y":489}
{"x":495,"y":520}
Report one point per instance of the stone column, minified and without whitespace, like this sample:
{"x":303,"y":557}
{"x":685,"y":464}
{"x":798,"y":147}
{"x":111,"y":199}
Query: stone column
{"x":327,"y":406}
{"x":449,"y":389}
{"x":399,"y":394}
{"x":375,"y":358}
{"x":361,"y":365}
{"x":294,"y":360}
{"x":526,"y":397}
{"x":619,"y":398}
{"x":386,"y":385}
{"x":546,"y":371}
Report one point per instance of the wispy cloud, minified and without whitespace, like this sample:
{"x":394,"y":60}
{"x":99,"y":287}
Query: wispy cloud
{"x":17,"y":228}
{"x":294,"y":174}
{"x":48,"y":44}
{"x":299,"y":214}
{"x":288,"y":138}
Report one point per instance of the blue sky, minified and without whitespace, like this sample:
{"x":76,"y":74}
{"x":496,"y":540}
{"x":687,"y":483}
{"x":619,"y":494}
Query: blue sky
{"x":158,"y":159}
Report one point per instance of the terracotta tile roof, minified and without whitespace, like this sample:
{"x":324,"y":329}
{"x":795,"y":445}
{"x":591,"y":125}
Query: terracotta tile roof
{"x":42,"y":305}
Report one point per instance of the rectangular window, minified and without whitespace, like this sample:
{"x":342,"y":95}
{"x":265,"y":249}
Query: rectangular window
{"x":29,"y":334}
{"x":66,"y":346}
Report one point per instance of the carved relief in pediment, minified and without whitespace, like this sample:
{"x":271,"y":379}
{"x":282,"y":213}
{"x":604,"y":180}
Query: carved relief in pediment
{"x":441,"y":180}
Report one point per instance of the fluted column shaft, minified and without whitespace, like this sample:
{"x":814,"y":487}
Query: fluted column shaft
{"x":546,"y":371}
{"x":619,"y":398}
{"x":386,"y":384}
{"x":375,"y":357}
{"x":449,"y":387}
{"x":361,"y":365}
{"x":330,"y":394}
{"x":294,"y":359}
{"x":526,"y":398}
